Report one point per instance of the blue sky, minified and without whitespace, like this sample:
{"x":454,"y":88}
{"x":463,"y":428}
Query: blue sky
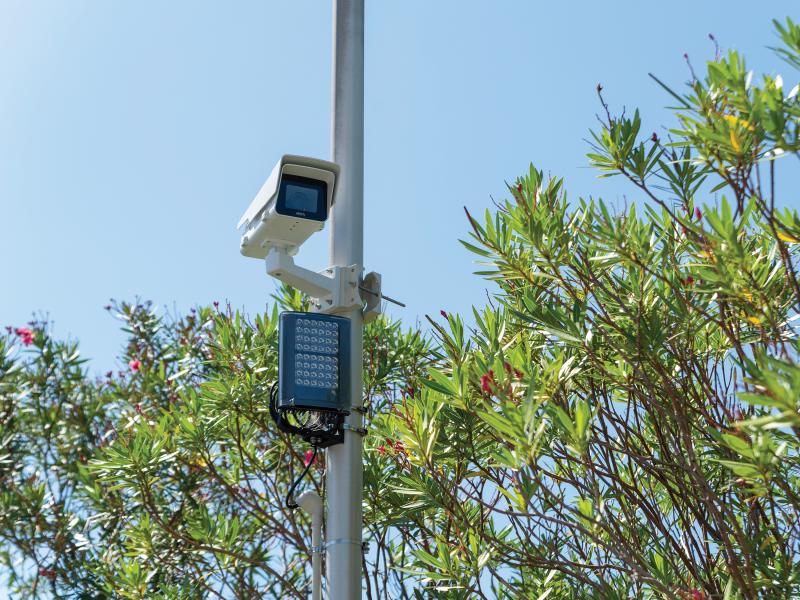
{"x":133,"y":135}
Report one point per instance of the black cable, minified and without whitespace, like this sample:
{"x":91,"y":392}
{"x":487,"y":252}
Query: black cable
{"x":320,"y":428}
{"x":290,"y":503}
{"x":280,"y":421}
{"x":273,"y":409}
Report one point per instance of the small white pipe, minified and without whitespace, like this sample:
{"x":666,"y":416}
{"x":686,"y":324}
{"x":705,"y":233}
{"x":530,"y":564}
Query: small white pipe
{"x":312,"y":504}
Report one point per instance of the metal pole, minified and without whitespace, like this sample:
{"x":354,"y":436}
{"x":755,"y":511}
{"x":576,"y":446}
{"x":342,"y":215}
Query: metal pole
{"x":344,"y":481}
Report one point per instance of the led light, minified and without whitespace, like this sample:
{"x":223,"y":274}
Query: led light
{"x":317,"y":370}
{"x":318,"y":337}
{"x":314,"y":362}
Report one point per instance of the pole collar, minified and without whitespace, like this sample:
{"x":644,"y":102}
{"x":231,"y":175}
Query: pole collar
{"x":339,"y":541}
{"x":362,"y":431}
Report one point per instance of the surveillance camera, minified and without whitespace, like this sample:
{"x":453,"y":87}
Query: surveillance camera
{"x":292,"y":204}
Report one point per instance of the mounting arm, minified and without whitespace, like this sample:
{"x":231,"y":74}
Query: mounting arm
{"x":334,"y":290}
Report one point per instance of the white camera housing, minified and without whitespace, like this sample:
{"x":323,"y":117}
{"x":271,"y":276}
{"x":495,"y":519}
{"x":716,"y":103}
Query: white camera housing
{"x":293,"y":203}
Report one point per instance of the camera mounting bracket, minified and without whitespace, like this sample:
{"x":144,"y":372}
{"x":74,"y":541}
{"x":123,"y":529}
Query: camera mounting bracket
{"x":370,"y":289}
{"x":333,"y":290}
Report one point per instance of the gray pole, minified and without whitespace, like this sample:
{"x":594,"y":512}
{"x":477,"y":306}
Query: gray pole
{"x":344,"y":480}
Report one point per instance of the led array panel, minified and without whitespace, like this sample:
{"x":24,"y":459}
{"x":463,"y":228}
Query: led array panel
{"x":316,"y":336}
{"x":316,"y":370}
{"x":316,"y":362}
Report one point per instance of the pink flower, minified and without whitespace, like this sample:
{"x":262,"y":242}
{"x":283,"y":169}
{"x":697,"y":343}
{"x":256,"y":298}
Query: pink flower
{"x":308,"y":456}
{"x":135,"y":364}
{"x":486,"y":382}
{"x":381,"y":449}
{"x":25,"y":334}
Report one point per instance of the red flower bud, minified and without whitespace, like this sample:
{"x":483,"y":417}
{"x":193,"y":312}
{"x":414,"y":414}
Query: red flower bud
{"x":381,"y":449}
{"x":444,"y":314}
{"x":697,"y":214}
{"x":689,"y":280}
